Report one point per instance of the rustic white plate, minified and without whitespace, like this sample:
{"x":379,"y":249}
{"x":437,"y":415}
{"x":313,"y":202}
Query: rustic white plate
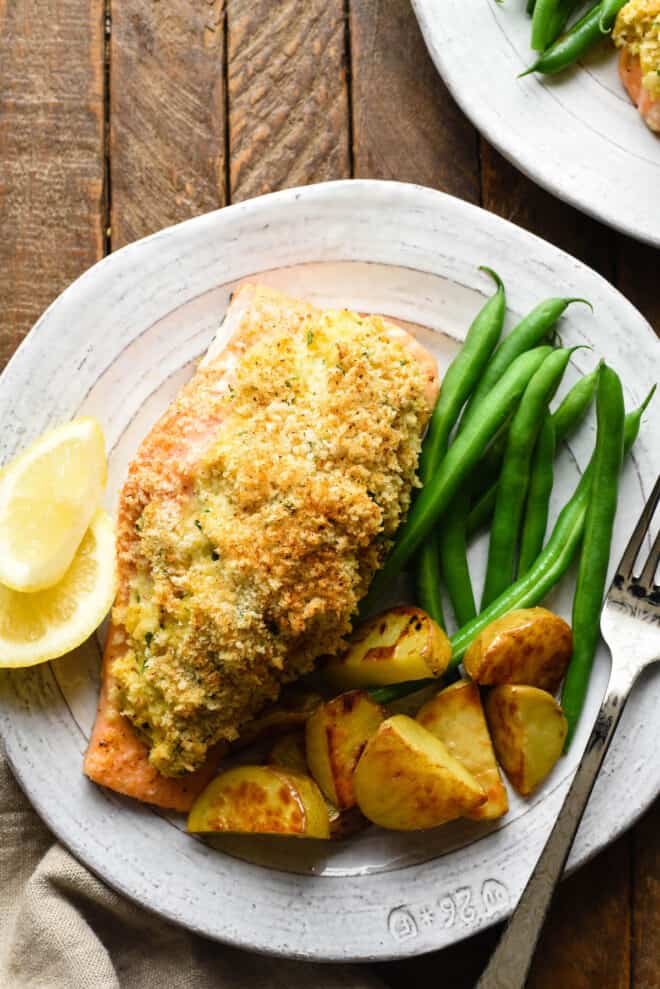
{"x":118,"y":344}
{"x":577,"y":134}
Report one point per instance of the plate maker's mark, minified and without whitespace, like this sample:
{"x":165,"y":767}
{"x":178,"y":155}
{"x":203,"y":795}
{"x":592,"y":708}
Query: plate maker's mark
{"x":466,"y":905}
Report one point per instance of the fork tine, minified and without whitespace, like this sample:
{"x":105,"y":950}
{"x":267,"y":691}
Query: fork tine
{"x":647,"y":576}
{"x":625,"y":568}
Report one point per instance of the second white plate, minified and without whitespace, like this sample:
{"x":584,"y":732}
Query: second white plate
{"x":577,"y":133}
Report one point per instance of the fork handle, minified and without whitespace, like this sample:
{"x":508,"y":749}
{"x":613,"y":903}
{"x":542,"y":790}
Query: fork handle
{"x":511,"y":960}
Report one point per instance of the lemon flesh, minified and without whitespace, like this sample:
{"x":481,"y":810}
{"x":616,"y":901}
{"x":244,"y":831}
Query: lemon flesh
{"x":48,"y":496}
{"x":39,"y":626}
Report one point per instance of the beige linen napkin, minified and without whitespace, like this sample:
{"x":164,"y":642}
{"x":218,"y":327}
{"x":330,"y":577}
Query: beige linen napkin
{"x":61,"y":928}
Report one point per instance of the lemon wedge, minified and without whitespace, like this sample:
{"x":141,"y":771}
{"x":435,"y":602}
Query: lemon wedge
{"x":48,"y":496}
{"x":45,"y":624}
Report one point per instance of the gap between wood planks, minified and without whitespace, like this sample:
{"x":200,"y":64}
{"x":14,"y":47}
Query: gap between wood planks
{"x":107,"y":163}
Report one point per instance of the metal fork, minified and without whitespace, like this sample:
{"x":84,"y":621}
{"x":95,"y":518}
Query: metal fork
{"x":630,"y":625}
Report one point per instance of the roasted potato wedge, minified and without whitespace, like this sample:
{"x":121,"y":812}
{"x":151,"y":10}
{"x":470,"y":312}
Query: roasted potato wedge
{"x":406,"y":779}
{"x":290,"y":711}
{"x":456,"y":717}
{"x":335,"y":736}
{"x":261,"y":800}
{"x":289,"y":752}
{"x":528,"y":646}
{"x":528,"y":729}
{"x":399,"y":644}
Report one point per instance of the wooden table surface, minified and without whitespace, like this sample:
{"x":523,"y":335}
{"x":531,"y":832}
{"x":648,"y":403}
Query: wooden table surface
{"x":118,"y":120}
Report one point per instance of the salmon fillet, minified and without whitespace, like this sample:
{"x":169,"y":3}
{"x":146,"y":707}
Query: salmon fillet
{"x":215,"y":609}
{"x":630,"y":72}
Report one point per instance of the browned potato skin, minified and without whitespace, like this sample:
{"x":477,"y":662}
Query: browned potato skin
{"x":528,"y":729}
{"x":455,"y":716}
{"x":261,"y":800}
{"x":289,"y":752}
{"x":397,"y":645}
{"x":528,"y":646}
{"x":406,"y":779}
{"x":335,"y":737}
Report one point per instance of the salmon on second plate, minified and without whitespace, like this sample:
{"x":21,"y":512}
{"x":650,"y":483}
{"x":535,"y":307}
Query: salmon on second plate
{"x":637,"y":33}
{"x":253,"y":518}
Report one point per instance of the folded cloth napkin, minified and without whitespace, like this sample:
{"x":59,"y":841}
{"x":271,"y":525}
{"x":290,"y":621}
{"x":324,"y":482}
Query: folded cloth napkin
{"x":61,"y":928}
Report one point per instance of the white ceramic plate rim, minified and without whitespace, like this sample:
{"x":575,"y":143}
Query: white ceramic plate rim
{"x":568,"y":180}
{"x":397,"y":209}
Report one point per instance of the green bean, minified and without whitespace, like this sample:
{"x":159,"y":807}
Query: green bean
{"x":609,"y":13}
{"x":571,"y":46}
{"x":530,"y":6}
{"x":395,"y":691}
{"x":529,"y":332}
{"x":595,"y":553}
{"x":427,"y":583}
{"x":514,"y":479}
{"x":458,"y":463}
{"x":460,"y":379}
{"x":452,"y":543}
{"x":550,"y":17}
{"x":575,"y":404}
{"x":567,"y":418}
{"x":452,"y":538}
{"x":552,"y":563}
{"x":538,"y":498}
{"x":544,"y":13}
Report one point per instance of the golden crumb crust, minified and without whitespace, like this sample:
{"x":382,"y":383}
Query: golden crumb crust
{"x":637,"y":28}
{"x":255,"y":516}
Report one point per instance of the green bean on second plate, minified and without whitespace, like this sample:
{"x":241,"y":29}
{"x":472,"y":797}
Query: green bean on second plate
{"x":572,"y":45}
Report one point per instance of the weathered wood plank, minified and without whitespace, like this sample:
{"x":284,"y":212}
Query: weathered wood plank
{"x":646,"y":901}
{"x":167,"y":113}
{"x":638,"y":274}
{"x":586,"y":940}
{"x":288,"y":94}
{"x":51,"y":150}
{"x":405,"y":124}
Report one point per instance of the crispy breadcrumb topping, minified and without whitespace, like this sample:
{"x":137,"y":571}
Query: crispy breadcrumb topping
{"x":250,"y":547}
{"x":638,"y":29}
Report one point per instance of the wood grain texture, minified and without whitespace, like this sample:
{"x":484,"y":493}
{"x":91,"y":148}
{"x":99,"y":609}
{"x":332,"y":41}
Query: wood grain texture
{"x":405,"y":124}
{"x":51,"y":154}
{"x":646,"y":901}
{"x":167,"y":119}
{"x":638,"y":277}
{"x":288,"y":94}
{"x":586,"y":940}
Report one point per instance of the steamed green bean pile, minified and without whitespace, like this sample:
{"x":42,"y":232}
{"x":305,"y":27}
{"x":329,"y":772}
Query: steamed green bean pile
{"x":488,"y":460}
